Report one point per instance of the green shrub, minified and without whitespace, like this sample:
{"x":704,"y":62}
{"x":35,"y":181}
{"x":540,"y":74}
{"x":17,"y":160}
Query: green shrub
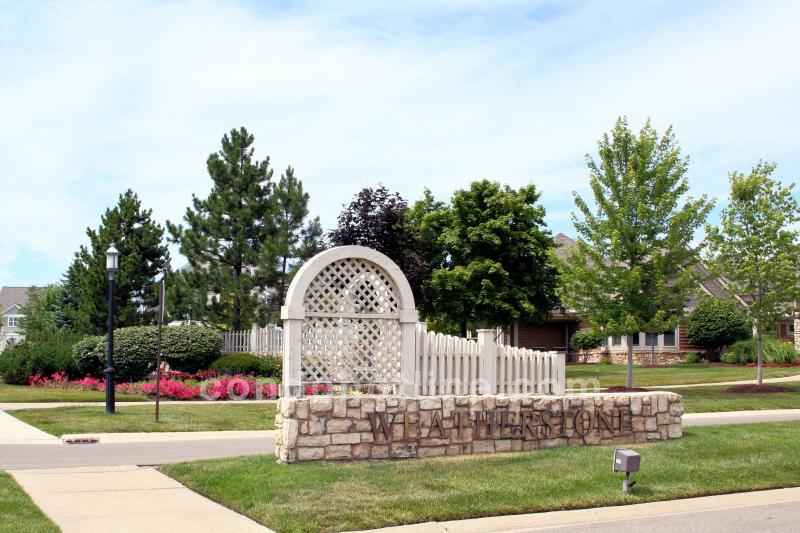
{"x":184,"y":348}
{"x":134,"y":352}
{"x":775,"y":351}
{"x":587,"y":340}
{"x":715,"y":323}
{"x":190,"y":348}
{"x":47,"y":356}
{"x":606,"y":360}
{"x":238,"y":362}
{"x":272,"y":366}
{"x":86,"y":356}
{"x":691,"y":358}
{"x":247,"y":363}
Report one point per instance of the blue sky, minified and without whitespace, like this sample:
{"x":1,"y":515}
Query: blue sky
{"x":96,"y":97}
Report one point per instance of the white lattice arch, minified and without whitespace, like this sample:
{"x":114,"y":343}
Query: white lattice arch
{"x":349,"y":318}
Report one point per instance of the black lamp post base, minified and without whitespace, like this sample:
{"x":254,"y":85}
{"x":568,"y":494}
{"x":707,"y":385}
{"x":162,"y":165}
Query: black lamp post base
{"x":110,"y":392}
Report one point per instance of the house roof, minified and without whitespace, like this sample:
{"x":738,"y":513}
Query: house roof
{"x":563,"y":245}
{"x":12,"y":295}
{"x":708,"y":283}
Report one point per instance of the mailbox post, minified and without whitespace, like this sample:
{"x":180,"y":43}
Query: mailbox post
{"x":626,"y":460}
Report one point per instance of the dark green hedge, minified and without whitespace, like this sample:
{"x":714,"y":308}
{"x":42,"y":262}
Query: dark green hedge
{"x":183,"y":348}
{"x":46,"y":357}
{"x":716,"y":323}
{"x":247,"y":363}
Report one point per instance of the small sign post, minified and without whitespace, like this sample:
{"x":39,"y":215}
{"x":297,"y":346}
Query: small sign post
{"x":158,"y":353}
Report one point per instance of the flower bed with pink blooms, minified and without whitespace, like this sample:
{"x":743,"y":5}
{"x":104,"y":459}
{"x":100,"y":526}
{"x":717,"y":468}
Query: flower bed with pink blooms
{"x":176,"y":386}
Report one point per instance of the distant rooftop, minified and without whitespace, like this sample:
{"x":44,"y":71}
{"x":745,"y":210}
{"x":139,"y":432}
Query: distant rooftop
{"x":13,"y":295}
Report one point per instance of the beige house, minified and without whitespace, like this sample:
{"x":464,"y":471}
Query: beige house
{"x":11,"y":301}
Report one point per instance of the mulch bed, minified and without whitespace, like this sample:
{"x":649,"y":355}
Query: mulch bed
{"x":756,"y":388}
{"x":620,"y":388}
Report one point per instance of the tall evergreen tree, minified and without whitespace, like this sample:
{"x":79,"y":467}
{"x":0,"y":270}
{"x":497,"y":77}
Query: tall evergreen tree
{"x":631,"y":270}
{"x":496,"y":262}
{"x":295,"y":239}
{"x":142,"y":259}
{"x":225,"y":239}
{"x":757,"y":248}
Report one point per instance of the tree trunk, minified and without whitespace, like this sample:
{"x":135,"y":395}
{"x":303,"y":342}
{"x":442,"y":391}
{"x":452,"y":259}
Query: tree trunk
{"x":760,"y":357}
{"x":629,"y":374}
{"x":464,"y":328}
{"x":652,"y":349}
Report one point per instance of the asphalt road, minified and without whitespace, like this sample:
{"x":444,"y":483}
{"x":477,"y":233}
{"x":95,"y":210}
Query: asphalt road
{"x":771,"y":518}
{"x":27,"y":456}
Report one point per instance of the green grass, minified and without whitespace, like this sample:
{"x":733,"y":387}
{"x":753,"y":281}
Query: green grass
{"x":317,"y":496}
{"x":612,"y":375}
{"x":130,"y":419}
{"x":25,"y":394}
{"x":715,"y":399}
{"x":18,"y":514}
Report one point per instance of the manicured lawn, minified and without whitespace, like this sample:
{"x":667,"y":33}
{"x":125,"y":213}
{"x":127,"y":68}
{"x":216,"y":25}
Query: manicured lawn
{"x":310,"y":497}
{"x":18,"y":514}
{"x":708,"y":399}
{"x":25,"y":394}
{"x":612,"y":375}
{"x":130,"y":419}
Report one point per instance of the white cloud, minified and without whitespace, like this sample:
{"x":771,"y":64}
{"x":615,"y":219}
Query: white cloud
{"x":97,"y":97}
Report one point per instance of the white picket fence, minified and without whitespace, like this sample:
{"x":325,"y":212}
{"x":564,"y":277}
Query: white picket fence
{"x":453,"y":365}
{"x":446,"y":364}
{"x":260,"y":341}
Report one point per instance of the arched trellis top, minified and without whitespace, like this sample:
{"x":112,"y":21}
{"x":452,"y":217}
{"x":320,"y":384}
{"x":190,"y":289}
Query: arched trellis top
{"x":295,"y":297}
{"x":349,"y":318}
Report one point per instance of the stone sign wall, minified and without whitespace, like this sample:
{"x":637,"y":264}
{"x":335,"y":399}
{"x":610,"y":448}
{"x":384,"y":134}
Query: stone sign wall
{"x":391,"y":427}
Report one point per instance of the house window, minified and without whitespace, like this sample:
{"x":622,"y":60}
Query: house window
{"x":669,"y":338}
{"x":12,"y":321}
{"x":635,"y":339}
{"x":650,"y":339}
{"x":616,"y":341}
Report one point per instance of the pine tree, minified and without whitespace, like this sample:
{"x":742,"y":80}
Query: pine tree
{"x":295,"y":241}
{"x":631,"y":270}
{"x":142,"y":259}
{"x":226,"y":239}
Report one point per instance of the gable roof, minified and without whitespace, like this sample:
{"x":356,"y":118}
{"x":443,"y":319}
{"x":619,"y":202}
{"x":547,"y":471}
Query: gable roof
{"x":12,"y":295}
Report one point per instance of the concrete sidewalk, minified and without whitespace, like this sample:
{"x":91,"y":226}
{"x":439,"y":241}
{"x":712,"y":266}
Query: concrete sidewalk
{"x":654,"y":516}
{"x":13,"y":431}
{"x":13,"y":406}
{"x":125,"y":499}
{"x":174,"y":436}
{"x":785,"y":379}
{"x":740,"y":417}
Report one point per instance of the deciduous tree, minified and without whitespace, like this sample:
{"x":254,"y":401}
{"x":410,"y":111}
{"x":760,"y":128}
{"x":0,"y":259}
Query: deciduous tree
{"x":632,"y":270}
{"x":496,"y":265}
{"x":756,"y":247}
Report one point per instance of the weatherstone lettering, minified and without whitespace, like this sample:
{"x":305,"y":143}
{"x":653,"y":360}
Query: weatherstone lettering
{"x":386,"y":427}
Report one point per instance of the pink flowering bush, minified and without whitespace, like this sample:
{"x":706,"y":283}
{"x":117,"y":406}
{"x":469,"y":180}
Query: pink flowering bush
{"x":316,"y":388}
{"x":224,"y":388}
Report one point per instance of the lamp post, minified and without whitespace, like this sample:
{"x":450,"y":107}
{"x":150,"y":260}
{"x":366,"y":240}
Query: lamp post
{"x":112,"y":258}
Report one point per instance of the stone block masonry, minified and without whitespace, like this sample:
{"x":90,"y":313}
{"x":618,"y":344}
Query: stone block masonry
{"x":391,"y":427}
